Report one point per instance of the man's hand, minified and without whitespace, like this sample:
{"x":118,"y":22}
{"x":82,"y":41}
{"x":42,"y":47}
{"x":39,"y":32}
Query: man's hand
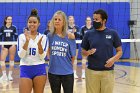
{"x":109,"y":62}
{"x":89,"y":52}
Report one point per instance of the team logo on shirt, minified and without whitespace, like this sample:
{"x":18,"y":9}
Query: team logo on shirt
{"x":70,"y":30}
{"x":108,"y":36}
{"x":85,"y":31}
{"x":8,"y":30}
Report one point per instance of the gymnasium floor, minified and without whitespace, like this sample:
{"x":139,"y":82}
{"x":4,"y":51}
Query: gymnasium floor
{"x":127,"y":76}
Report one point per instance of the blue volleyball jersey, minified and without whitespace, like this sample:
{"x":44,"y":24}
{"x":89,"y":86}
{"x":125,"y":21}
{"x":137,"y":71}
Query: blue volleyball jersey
{"x":46,"y":31}
{"x":61,"y":52}
{"x":84,"y":29}
{"x":8,"y":34}
{"x":104,"y":42}
{"x":77,"y":33}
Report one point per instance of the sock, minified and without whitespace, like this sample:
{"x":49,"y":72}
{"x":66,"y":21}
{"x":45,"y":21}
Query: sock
{"x":4,"y":72}
{"x":10,"y":72}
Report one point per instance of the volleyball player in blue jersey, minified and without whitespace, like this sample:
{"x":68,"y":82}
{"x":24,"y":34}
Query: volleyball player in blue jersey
{"x":8,"y":32}
{"x":85,"y":28}
{"x":32,"y":49}
{"x":62,"y":52}
{"x":73,"y":28}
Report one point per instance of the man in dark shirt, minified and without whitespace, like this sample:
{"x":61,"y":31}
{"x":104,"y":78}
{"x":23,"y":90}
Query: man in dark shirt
{"x":98,"y":46}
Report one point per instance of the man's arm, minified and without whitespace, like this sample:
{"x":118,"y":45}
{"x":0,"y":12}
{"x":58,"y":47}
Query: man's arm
{"x":113,"y":59}
{"x":89,"y":52}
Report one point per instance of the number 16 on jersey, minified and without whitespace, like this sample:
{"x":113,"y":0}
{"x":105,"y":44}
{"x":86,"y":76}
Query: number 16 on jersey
{"x":32,"y":51}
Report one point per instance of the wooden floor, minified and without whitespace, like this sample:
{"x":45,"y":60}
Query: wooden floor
{"x":127,"y":80}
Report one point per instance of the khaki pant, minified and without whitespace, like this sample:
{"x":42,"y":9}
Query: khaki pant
{"x":99,"y":81}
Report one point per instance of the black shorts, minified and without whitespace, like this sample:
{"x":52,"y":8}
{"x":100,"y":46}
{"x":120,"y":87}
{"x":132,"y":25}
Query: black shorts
{"x":77,"y":46}
{"x":7,"y":46}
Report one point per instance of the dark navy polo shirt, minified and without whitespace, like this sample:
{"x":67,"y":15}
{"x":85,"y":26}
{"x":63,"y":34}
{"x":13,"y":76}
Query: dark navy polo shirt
{"x":104,"y":42}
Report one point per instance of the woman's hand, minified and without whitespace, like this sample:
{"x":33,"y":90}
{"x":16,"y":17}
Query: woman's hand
{"x":27,"y":35}
{"x":40,"y":49}
{"x":71,"y":35}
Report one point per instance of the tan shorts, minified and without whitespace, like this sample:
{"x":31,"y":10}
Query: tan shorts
{"x":99,"y":81}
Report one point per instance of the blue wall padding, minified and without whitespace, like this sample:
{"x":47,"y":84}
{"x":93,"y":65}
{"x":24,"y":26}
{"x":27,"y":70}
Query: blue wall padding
{"x":118,"y":12}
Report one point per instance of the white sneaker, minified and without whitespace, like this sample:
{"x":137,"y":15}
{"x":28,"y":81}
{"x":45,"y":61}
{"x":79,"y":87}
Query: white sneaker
{"x":75,"y":75}
{"x":10,"y":78}
{"x":83,"y":74}
{"x":4,"y":78}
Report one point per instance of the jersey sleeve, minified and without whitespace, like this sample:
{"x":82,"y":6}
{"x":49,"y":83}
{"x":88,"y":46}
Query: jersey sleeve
{"x":45,"y":45}
{"x":15,"y":34}
{"x":82,"y":32}
{"x":45,"y":32}
{"x":77,"y":33}
{"x":21,"y":42}
{"x":1,"y":33}
{"x":117,"y":41}
{"x":72,"y":44}
{"x":49,"y":38}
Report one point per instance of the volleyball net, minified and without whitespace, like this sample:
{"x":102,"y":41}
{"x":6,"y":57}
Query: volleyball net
{"x":131,"y":44}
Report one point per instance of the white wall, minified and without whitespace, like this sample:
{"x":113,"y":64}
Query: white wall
{"x":135,"y":15}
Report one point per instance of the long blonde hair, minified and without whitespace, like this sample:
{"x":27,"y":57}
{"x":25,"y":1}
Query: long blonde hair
{"x":65,"y":27}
